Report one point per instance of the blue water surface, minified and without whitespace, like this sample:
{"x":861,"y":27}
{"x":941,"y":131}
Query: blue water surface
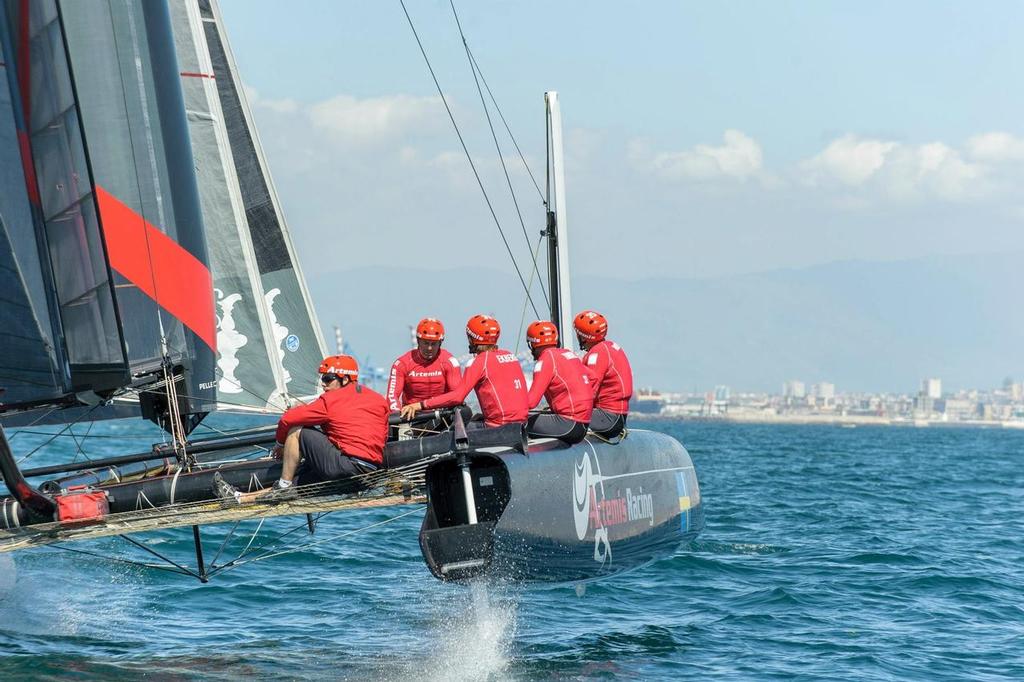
{"x":866,"y":553}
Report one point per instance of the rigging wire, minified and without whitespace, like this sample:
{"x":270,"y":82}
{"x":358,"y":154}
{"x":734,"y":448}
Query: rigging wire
{"x":522,"y":157}
{"x":59,"y":433}
{"x":522,"y":316}
{"x":469,"y":157}
{"x":120,"y":560}
{"x":307,"y":545}
{"x":473,"y":67}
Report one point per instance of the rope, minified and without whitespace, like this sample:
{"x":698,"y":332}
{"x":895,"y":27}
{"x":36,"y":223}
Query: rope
{"x":469,"y":157}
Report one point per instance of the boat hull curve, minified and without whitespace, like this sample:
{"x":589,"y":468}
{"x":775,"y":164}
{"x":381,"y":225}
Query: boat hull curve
{"x":563,"y":513}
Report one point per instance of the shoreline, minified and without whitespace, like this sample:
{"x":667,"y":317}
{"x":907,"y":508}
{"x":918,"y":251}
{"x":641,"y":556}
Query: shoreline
{"x":848,"y":421}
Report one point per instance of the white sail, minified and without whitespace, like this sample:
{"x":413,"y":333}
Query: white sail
{"x":269,"y":342}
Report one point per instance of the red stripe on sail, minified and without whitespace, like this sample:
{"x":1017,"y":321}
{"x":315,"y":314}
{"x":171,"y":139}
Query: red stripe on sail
{"x":193,"y":74}
{"x":28,"y":167}
{"x":159,"y":266}
{"x":24,"y":71}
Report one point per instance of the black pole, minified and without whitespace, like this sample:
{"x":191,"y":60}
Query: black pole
{"x":248,"y":439}
{"x":553,"y":288}
{"x":203,"y":577}
{"x":29,"y":498}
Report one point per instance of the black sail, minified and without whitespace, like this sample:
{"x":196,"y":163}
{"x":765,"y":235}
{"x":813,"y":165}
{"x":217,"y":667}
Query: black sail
{"x":108,"y":171}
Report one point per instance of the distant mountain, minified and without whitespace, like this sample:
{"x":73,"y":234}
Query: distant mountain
{"x":860,"y":325}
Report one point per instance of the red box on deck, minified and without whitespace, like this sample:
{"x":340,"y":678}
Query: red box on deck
{"x":81,"y":507}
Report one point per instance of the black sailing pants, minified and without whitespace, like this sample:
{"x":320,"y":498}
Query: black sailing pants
{"x":607,"y":424}
{"x":548,"y":425}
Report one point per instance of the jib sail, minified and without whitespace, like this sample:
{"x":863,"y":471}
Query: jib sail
{"x":296,"y":338}
{"x":249,"y":371}
{"x":107,"y":169}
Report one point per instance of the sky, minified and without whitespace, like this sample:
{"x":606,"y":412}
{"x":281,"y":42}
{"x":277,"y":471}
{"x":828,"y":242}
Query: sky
{"x":703,"y":140}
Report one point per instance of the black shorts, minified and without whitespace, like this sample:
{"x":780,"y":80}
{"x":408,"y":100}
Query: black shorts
{"x":548,"y":425}
{"x":322,"y":461}
{"x":607,"y":424}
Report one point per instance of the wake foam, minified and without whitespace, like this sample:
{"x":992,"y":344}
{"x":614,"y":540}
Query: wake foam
{"x":474,"y":638}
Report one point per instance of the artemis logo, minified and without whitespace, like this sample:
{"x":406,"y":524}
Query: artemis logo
{"x":582,"y":485}
{"x":586,"y":506}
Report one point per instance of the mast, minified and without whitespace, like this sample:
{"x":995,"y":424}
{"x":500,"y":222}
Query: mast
{"x":557,"y":226}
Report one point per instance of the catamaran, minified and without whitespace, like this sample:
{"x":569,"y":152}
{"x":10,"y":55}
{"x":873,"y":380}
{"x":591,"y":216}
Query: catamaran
{"x":148,"y":272}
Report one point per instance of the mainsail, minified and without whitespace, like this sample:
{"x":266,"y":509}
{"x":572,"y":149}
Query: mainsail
{"x":267,"y":323}
{"x":32,"y":366}
{"x":113,"y":207}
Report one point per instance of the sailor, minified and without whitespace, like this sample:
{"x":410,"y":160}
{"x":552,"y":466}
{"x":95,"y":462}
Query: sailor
{"x":560,"y":377}
{"x":609,"y":371}
{"x":494,"y":373}
{"x":425,"y":371}
{"x":338,"y":435}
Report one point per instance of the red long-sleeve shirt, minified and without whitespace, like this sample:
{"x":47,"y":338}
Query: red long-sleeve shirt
{"x":560,"y":377}
{"x":413,"y":379}
{"x":612,"y":376}
{"x":500,"y":387}
{"x":354,"y":418}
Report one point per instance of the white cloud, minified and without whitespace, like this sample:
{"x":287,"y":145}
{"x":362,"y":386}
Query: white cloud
{"x":849,"y":159}
{"x":376,"y":118}
{"x":882,"y":169}
{"x":739,"y":158}
{"x":996,"y":146}
{"x":934,"y":170}
{"x":280,"y":106}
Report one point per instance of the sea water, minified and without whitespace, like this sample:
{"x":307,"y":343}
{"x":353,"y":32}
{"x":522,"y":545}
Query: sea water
{"x":867,"y":553}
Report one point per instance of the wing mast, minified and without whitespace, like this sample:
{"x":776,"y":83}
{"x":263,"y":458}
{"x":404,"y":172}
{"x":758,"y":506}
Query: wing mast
{"x":557,"y":226}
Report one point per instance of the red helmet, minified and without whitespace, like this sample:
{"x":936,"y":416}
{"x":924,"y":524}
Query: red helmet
{"x":430,"y":329}
{"x":591,"y":325}
{"x":542,"y":333}
{"x":342,"y":365}
{"x":483,"y":330}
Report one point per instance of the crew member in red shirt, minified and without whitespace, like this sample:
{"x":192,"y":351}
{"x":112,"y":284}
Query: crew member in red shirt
{"x":338,"y":435}
{"x":494,"y":374}
{"x":560,"y":377}
{"x":609,"y":371}
{"x":424,"y":372}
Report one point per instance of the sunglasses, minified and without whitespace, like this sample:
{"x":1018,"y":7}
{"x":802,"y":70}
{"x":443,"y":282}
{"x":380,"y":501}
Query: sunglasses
{"x":329,"y":377}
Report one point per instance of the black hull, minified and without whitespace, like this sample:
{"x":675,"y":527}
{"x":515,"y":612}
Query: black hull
{"x":563,"y":514}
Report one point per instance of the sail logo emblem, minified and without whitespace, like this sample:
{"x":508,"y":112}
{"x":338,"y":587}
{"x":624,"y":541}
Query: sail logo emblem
{"x":292,"y":343}
{"x":229,"y":342}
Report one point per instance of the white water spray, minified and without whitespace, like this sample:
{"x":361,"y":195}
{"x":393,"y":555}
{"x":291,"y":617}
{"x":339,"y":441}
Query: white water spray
{"x":475,"y":638}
